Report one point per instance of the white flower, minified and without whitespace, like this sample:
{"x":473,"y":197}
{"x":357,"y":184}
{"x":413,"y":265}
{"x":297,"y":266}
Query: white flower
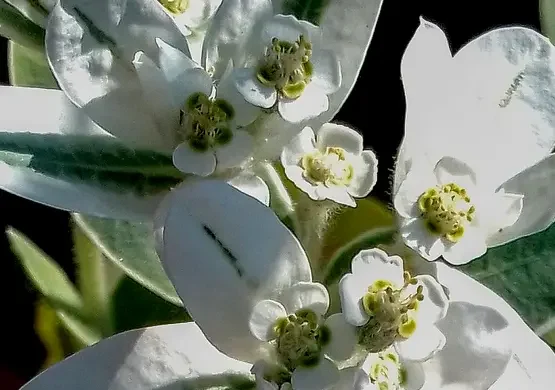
{"x":386,"y":370}
{"x":191,"y":15}
{"x":301,"y":339}
{"x":486,"y":105}
{"x":450,"y":212}
{"x":291,"y":69}
{"x":389,"y":307}
{"x":333,"y":166}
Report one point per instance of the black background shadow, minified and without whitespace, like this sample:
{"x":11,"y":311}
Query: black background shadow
{"x":375,"y":107}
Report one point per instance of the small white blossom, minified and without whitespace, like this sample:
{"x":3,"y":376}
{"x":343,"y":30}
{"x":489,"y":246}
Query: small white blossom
{"x":291,"y":68}
{"x":448,"y":211}
{"x":332,"y":166}
{"x":387,"y":371}
{"x":390,"y":307}
{"x":301,"y":340}
{"x":203,"y":118}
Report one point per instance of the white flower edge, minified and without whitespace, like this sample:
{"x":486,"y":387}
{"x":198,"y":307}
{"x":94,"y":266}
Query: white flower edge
{"x":363,"y":162}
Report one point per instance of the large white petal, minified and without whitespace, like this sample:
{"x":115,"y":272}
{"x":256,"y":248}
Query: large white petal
{"x":533,"y":355}
{"x":347,"y":28}
{"x":343,"y":337}
{"x":374,"y":264}
{"x":417,"y":237}
{"x":320,"y":377}
{"x":312,"y":102}
{"x":189,"y":160}
{"x":327,"y":70}
{"x":415,"y":182}
{"x":90,"y":46}
{"x":253,"y":91}
{"x":190,"y":81}
{"x":224,"y":252}
{"x":351,"y":290}
{"x":161,"y":357}
{"x":334,"y":135}
{"x":198,"y":13}
{"x":477,"y":350}
{"x":537,"y":184}
{"x":451,"y":170}
{"x":252,"y":185}
{"x":366,"y":174}
{"x":263,"y":319}
{"x":245,"y":113}
{"x":236,"y":152}
{"x":518,"y":120}
{"x":435,"y":304}
{"x":172,"y":61}
{"x":471,"y":246}
{"x":233,"y":25}
{"x":426,"y":341}
{"x":300,"y":145}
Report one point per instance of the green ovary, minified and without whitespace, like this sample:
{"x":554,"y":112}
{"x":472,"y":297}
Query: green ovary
{"x":329,"y":168}
{"x":206,"y":122}
{"x":300,"y":339}
{"x":446,"y":210}
{"x":286,"y":66}
{"x":391,"y":313}
{"x":175,"y":6}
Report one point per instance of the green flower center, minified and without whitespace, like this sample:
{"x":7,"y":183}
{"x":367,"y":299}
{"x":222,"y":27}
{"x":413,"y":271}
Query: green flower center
{"x":286,"y":66}
{"x":205,"y":122}
{"x":329,"y":168}
{"x":175,"y":6}
{"x":299,"y":339}
{"x":387,"y":373}
{"x":391,"y":313}
{"x":446,"y":209}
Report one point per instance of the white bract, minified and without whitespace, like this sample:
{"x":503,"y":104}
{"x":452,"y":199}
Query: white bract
{"x":449,"y":211}
{"x":289,"y":68}
{"x":302,"y":340}
{"x":333,"y":166}
{"x":489,"y":109}
{"x":390,"y":307}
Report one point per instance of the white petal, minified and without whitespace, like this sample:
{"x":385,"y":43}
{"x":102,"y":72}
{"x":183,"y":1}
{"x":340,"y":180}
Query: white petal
{"x":415,"y":375}
{"x":226,"y":40}
{"x":477,"y":349}
{"x":416,"y":182}
{"x":300,"y":145}
{"x":252,"y":90}
{"x":499,"y":211}
{"x":198,"y":13}
{"x":343,"y":337}
{"x":76,"y":197}
{"x":366,"y":175}
{"x":173,"y":61}
{"x":245,"y":113}
{"x":451,"y":170}
{"x":190,"y":81}
{"x":327,"y":71}
{"x":43,"y":111}
{"x":143,"y":359}
{"x":321,"y":377}
{"x":312,"y":102}
{"x":537,"y":184}
{"x":352,"y":378}
{"x":426,"y":73}
{"x":435,"y":304}
{"x":217,"y":276}
{"x":351,"y":290}
{"x":521,"y":126}
{"x":471,"y":246}
{"x":417,"y":237}
{"x":188,"y":160}
{"x":285,"y":28}
{"x":160,"y":101}
{"x":306,"y":295}
{"x":333,"y":135}
{"x":295,"y":174}
{"x":422,"y":344}
{"x":263,"y":318}
{"x":235,"y":152}
{"x":338,"y":194}
{"x":252,"y":185}
{"x":374,"y":264}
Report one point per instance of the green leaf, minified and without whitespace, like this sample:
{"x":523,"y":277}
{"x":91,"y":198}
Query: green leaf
{"x":130,"y":246}
{"x":523,"y":273}
{"x":32,"y":10}
{"x":547,"y":18}
{"x":340,"y":262}
{"x":133,"y":306}
{"x":29,"y":68}
{"x":97,"y":160}
{"x":16,"y":27}
{"x":309,"y":10}
{"x":52,"y":282}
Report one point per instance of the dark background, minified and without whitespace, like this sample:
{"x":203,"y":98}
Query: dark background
{"x":375,"y":107}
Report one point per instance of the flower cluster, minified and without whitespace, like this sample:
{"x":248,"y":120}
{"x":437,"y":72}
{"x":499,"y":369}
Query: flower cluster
{"x":210,"y":86}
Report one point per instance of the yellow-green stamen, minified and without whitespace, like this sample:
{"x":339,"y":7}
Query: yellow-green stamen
{"x":175,"y":6}
{"x":330,"y":168}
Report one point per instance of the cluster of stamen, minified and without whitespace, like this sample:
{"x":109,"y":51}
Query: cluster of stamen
{"x":286,"y":66}
{"x":175,"y":6}
{"x":299,"y":339}
{"x":386,"y":372}
{"x":330,"y":168}
{"x":446,"y":209}
{"x":391,"y":313}
{"x":205,"y":122}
